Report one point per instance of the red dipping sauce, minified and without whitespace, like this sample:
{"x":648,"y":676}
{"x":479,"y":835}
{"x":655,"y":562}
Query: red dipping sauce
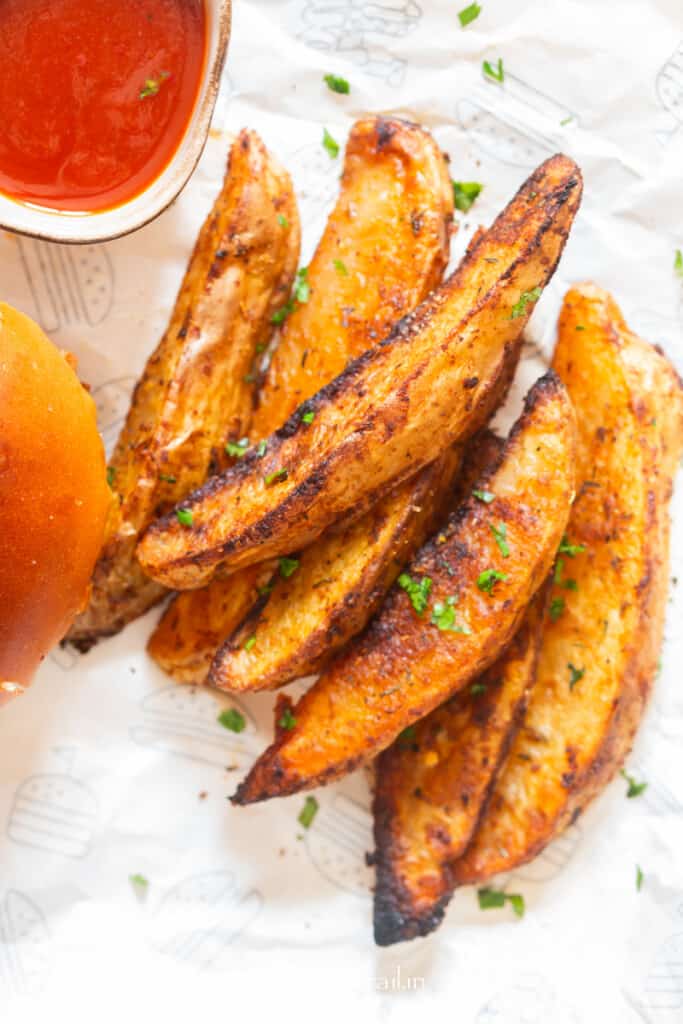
{"x":95,"y":96}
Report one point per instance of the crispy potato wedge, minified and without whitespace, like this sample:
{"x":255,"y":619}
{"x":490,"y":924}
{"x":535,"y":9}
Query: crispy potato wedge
{"x":407,"y":663}
{"x":432,"y":786}
{"x":377,"y":259}
{"x":393,"y":410}
{"x":600,"y":648}
{"x":194,"y":395}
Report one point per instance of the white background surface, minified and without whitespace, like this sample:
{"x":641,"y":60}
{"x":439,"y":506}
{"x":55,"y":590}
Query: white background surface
{"x":102,"y":763}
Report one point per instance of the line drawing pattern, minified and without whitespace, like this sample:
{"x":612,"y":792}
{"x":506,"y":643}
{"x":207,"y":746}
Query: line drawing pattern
{"x":69,"y":284}
{"x":338,"y":842}
{"x":25,"y":955}
{"x":54,"y":813}
{"x":664,"y":982}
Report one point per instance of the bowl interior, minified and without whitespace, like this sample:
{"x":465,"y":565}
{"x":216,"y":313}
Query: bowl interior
{"x":67,"y":226}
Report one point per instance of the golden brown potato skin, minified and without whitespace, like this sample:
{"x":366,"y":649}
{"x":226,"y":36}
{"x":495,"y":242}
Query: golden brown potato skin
{"x":629,"y":407}
{"x":432,"y":787}
{"x":392,"y":259}
{"x":404,"y":666}
{"x":393,"y":410}
{"x":53,"y":497}
{"x":194,"y":394}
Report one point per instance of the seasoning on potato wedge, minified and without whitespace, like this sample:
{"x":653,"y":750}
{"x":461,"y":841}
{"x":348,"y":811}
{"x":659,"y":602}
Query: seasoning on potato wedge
{"x":437,"y":630}
{"x":393,"y":410}
{"x":601,"y":643}
{"x":196,"y":392}
{"x":384,"y":248}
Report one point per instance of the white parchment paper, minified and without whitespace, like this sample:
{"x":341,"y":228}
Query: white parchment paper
{"x":107,"y":769}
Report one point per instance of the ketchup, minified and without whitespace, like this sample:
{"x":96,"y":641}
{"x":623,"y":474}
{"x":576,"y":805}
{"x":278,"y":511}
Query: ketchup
{"x":95,"y":96}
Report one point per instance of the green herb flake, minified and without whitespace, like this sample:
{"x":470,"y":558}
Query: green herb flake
{"x":566,"y":120}
{"x":519,"y":308}
{"x":337,"y":84}
{"x":477,"y":688}
{"x":233,"y":720}
{"x":464,"y":194}
{"x":184,"y":516}
{"x":287,"y":719}
{"x":139,"y":881}
{"x":486,"y":496}
{"x":494,"y":71}
{"x":282,"y":221}
{"x":500,"y":534}
{"x":237,"y":448}
{"x":167,"y":478}
{"x":556,"y":608}
{"x":281,"y":314}
{"x":491,"y":899}
{"x":302,"y":289}
{"x":330,"y":145}
{"x":567,"y":548}
{"x":408,"y":735}
{"x":276,"y":477}
{"x":265,"y":589}
{"x":443,"y":617}
{"x":488,"y":579}
{"x":288,"y":566}
{"x":417,"y":590}
{"x":308,"y":417}
{"x":261,"y":448}
{"x":639,"y":878}
{"x":469,"y":14}
{"x":579,"y":327}
{"x":308,"y":812}
{"x":634,"y":788}
{"x":575,"y":674}
{"x":341,"y":267}
{"x":249,"y":642}
{"x":111,"y":475}
{"x":152,"y":85}
{"x":678,"y":263}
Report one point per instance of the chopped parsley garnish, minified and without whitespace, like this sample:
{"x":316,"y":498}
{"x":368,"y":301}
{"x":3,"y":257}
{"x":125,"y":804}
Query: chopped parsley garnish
{"x":464,"y":194}
{"x":308,"y":812}
{"x":237,"y":448}
{"x":417,"y":591}
{"x":282,"y":313}
{"x":443,"y":616}
{"x":111,"y":475}
{"x":152,"y":85}
{"x":566,"y":548}
{"x":249,"y":643}
{"x":265,"y":589}
{"x":261,"y":448}
{"x":337,"y":84}
{"x":139,"y":881}
{"x":566,"y":120}
{"x":500,"y":533}
{"x":634,"y":788}
{"x":486,"y":496}
{"x":575,"y":674}
{"x":287,"y":719}
{"x":639,"y":878}
{"x":184,"y":516}
{"x":330,"y":144}
{"x":276,"y":477}
{"x":494,"y":71}
{"x":556,"y":608}
{"x":407,"y":736}
{"x":579,"y":327}
{"x":302,"y":289}
{"x":341,"y":267}
{"x":288,"y":566}
{"x":477,"y":688}
{"x":519,"y":308}
{"x":490,"y":899}
{"x":488,"y":579}
{"x":469,"y":14}
{"x":233,"y":720}
{"x":568,"y":584}
{"x":678,"y":262}
{"x":167,"y":478}
{"x":308,"y":417}
{"x":282,"y":221}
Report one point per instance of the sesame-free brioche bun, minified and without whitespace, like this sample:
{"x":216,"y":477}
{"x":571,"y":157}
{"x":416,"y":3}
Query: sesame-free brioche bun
{"x":54,"y":497}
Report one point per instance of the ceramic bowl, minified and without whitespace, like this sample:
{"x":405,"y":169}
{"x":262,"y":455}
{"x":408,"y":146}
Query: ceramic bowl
{"x":67,"y":226}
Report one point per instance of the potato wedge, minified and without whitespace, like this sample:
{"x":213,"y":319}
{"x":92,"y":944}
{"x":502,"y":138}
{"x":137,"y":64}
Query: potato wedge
{"x":432,"y":786}
{"x":408,"y":662}
{"x":377,"y":259}
{"x":393,"y":410}
{"x":194,"y":394}
{"x":600,"y":648}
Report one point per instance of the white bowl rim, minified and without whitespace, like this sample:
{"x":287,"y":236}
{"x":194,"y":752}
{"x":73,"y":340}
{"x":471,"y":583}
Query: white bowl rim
{"x":115,"y":222}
